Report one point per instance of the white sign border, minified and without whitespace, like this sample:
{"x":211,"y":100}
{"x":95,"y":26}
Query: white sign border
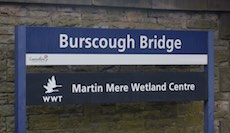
{"x":116,"y":59}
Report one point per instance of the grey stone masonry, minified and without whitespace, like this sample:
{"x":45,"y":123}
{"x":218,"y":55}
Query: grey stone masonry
{"x":198,"y":5}
{"x":155,"y":117}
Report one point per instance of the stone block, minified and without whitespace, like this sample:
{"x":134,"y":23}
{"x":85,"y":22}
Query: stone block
{"x":225,"y":43}
{"x":6,"y":30}
{"x":104,"y":118}
{"x":10,"y":75}
{"x":201,"y":24}
{"x":216,"y":126}
{"x":7,"y":87}
{"x":135,"y":16}
{"x":70,"y":121}
{"x":171,"y":23}
{"x":10,"y":53}
{"x":219,"y":5}
{"x":216,"y":84}
{"x":38,"y":14}
{"x":104,"y":127}
{"x":173,"y":130}
{"x":7,"y":39}
{"x":122,"y":3}
{"x":83,"y":129}
{"x":9,"y":9}
{"x":159,"y":124}
{"x":169,"y":14}
{"x":3,"y":98}
{"x":189,"y":130}
{"x":22,"y":12}
{"x":2,"y":124}
{"x":58,"y":20}
{"x":179,"y":4}
{"x":3,"y":76}
{"x":67,"y":109}
{"x":89,"y":14}
{"x":38,"y":131}
{"x":153,"y":114}
{"x":3,"y":65}
{"x":155,"y":130}
{"x":91,"y":110}
{"x":37,"y":7}
{"x":43,"y":122}
{"x":115,"y":15}
{"x":224,"y":31}
{"x":109,"y":109}
{"x":221,"y":114}
{"x":7,"y":110}
{"x":8,"y":20}
{"x":65,"y":9}
{"x":132,"y":126}
{"x":225,"y":126}
{"x":225,"y":79}
{"x":221,"y":55}
{"x":10,"y":124}
{"x":222,"y":96}
{"x":10,"y":98}
{"x":129,"y":107}
{"x":33,"y":21}
{"x":77,"y":109}
{"x":222,"y":106}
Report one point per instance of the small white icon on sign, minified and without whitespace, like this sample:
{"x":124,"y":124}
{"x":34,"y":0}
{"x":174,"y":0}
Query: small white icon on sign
{"x":51,"y":85}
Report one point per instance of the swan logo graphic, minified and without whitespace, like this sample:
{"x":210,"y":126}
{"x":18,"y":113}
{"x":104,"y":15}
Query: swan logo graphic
{"x":50,"y":88}
{"x":51,"y":85}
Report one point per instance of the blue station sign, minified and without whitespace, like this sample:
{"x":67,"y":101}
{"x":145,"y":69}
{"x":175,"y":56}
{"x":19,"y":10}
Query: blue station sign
{"x":49,"y":45}
{"x":114,"y":41}
{"x":78,"y":88}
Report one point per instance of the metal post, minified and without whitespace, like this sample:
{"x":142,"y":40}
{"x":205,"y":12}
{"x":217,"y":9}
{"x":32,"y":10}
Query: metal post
{"x":209,"y":104}
{"x":20,"y":80}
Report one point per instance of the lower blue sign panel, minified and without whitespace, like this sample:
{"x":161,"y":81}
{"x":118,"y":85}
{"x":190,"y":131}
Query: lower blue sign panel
{"x":78,"y":88}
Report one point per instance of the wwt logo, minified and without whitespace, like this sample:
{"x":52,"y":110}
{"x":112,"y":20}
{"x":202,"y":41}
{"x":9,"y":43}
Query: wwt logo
{"x":51,"y":85}
{"x":50,"y":88}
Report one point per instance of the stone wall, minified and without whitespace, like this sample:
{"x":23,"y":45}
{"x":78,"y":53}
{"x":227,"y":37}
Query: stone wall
{"x":159,"y":117}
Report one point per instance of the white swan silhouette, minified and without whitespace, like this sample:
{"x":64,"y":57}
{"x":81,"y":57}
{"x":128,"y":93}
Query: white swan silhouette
{"x":51,"y":85}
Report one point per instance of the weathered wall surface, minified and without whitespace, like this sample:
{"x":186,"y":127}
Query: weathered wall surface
{"x":180,"y":117}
